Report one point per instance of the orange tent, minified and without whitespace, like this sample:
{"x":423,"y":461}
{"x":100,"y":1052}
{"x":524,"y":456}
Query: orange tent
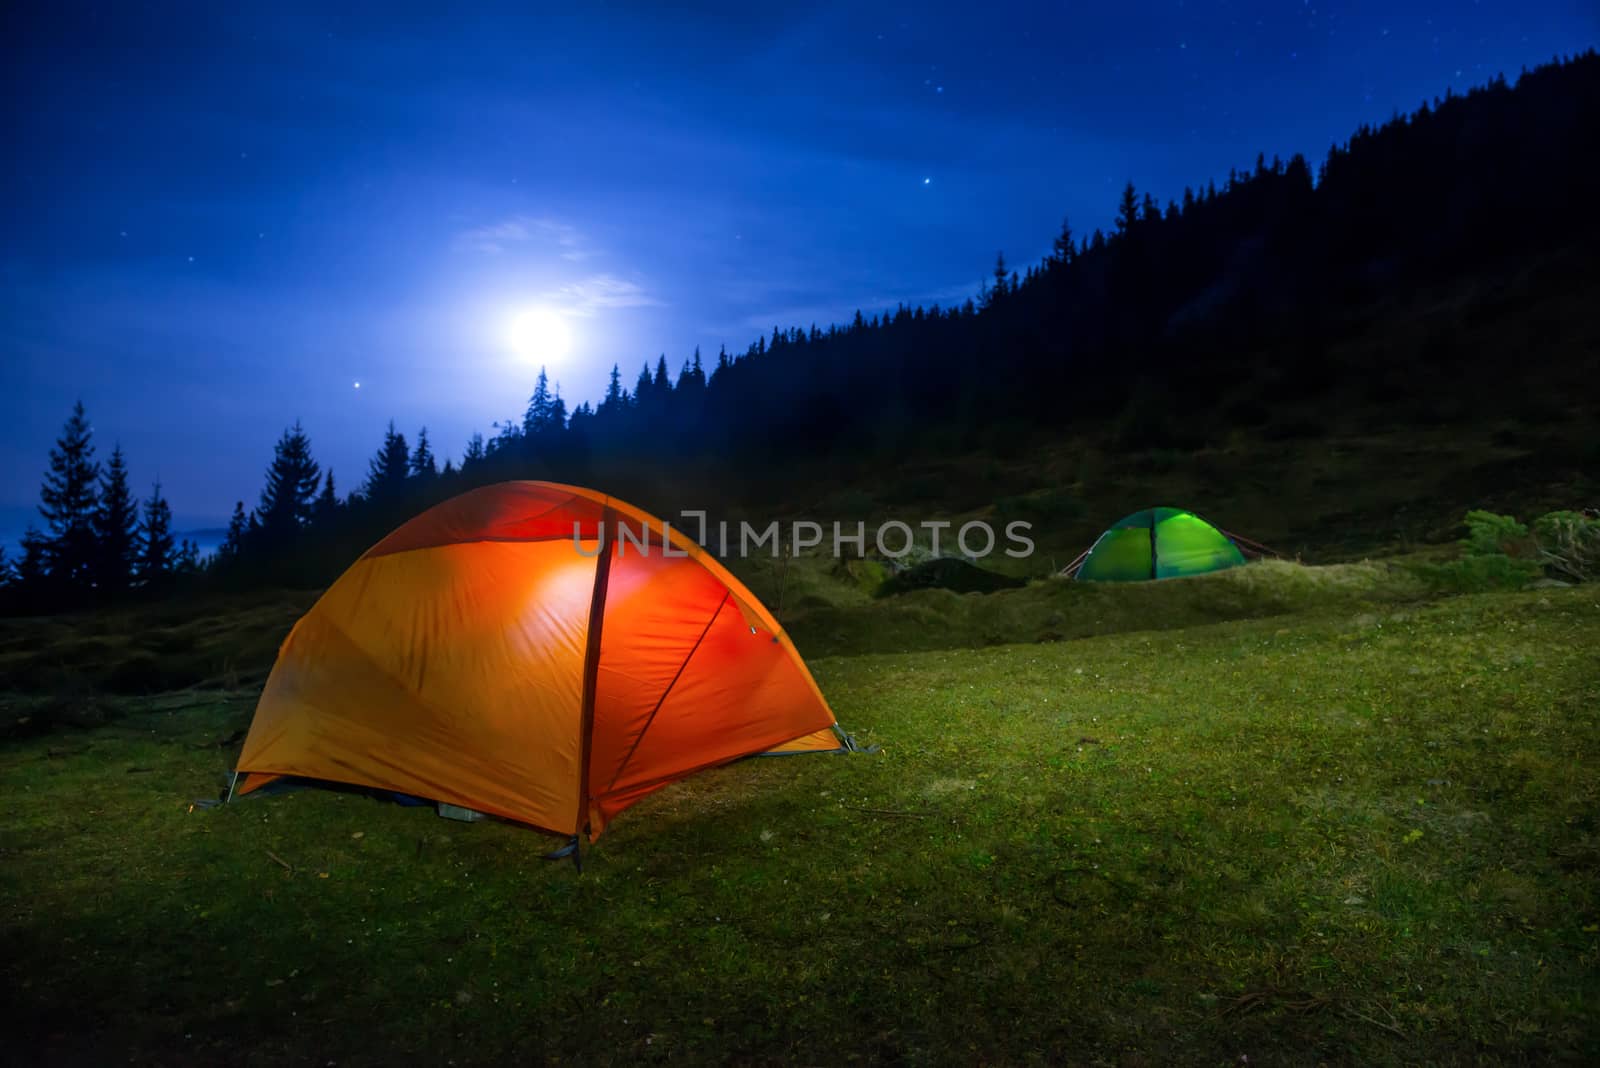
{"x":534,"y":651}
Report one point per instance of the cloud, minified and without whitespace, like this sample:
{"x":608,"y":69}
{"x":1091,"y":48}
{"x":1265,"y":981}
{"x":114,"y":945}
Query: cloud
{"x":496,"y":238}
{"x":601,"y":291}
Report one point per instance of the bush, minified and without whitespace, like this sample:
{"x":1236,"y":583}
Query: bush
{"x":1569,"y":544}
{"x":1479,"y":574}
{"x":1489,"y":534}
{"x":1501,"y":553}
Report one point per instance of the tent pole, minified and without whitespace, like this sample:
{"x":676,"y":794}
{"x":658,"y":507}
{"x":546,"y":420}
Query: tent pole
{"x":591,"y":663}
{"x":1153,"y":572}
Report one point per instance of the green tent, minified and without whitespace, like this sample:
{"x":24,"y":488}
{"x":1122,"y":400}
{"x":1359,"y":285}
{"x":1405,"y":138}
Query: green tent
{"x":1158,"y":543}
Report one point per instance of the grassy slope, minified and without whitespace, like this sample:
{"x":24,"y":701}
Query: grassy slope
{"x":1363,"y":830}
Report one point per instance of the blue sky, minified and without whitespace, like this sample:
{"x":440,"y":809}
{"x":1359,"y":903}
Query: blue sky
{"x":218,"y":219}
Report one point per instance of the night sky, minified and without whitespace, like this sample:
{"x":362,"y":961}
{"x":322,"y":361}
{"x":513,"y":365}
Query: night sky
{"x":219,"y":222}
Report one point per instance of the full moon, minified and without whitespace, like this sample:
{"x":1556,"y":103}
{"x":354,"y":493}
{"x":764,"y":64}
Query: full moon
{"x":539,"y":335}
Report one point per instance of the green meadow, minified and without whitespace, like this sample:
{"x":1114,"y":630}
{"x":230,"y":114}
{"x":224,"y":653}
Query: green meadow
{"x":1282,"y":814}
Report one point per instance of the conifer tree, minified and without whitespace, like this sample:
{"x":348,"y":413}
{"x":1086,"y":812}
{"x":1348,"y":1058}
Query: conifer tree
{"x":423,"y":465}
{"x":32,"y":572}
{"x":643,"y":389}
{"x":661,"y":385}
{"x":387,"y":472}
{"x":116,"y":521}
{"x":556,"y":421}
{"x":157,"y":553}
{"x":67,"y":501}
{"x":509,"y":438}
{"x":475,"y":451}
{"x":998,"y":291}
{"x":1127,"y":209}
{"x":537,"y":418}
{"x":615,"y":399}
{"x":325,"y":509}
{"x":292,"y":479}
{"x":1062,"y":249}
{"x":238,"y":528}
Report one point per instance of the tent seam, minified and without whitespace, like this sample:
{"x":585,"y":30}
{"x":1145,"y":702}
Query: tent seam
{"x":634,"y":748}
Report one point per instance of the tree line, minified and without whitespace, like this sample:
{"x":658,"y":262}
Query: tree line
{"x":98,"y":538}
{"x":1182,"y":321}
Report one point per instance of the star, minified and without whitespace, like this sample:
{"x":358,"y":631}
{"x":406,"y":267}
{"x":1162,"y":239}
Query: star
{"x":358,"y":385}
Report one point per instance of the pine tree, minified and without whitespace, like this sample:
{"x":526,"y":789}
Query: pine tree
{"x":537,"y":417}
{"x":449,"y":468}
{"x":325,"y":509}
{"x":1000,"y":289}
{"x":643,"y":389}
{"x":33,"y":568}
{"x":423,"y":465}
{"x":724,"y":363}
{"x":7,"y":573}
{"x":509,"y":438}
{"x":615,"y":399}
{"x":475,"y":451}
{"x":386,"y":474}
{"x":156,"y":551}
{"x":1127,"y":209}
{"x":1063,"y":250}
{"x":292,"y":479}
{"x":187,"y":559}
{"x":238,"y":528}
{"x":67,"y":501}
{"x":661,"y":386}
{"x":115,"y":523}
{"x":556,"y":421}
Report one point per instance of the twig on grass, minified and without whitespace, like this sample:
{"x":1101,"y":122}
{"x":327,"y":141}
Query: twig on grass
{"x":893,"y":812}
{"x":286,"y":865}
{"x":1375,"y":1023}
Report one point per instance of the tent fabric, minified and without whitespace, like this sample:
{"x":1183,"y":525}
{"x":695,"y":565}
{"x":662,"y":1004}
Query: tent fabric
{"x":495,"y":653}
{"x":1158,"y":543}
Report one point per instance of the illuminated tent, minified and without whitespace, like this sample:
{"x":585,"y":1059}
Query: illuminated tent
{"x":495,"y":654}
{"x":1158,"y":543}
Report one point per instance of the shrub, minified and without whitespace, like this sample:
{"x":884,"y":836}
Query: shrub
{"x":1569,"y":544}
{"x":1497,"y":554}
{"x":1479,"y":573}
{"x":1489,"y":534}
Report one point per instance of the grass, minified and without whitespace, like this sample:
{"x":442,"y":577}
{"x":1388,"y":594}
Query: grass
{"x":1360,"y":827}
{"x":150,"y":648}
